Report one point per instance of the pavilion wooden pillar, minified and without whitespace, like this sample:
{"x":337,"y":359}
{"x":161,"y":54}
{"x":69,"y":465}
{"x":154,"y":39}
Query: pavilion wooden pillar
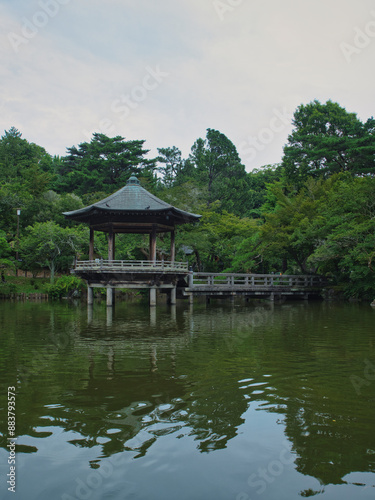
{"x":111,"y":256}
{"x":153,"y":259}
{"x":91,"y":247}
{"x":173,"y":246}
{"x":90,"y":290}
{"x":153,"y":243}
{"x":111,"y":244}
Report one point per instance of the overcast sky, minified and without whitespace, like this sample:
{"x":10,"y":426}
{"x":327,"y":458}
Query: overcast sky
{"x":166,"y":70}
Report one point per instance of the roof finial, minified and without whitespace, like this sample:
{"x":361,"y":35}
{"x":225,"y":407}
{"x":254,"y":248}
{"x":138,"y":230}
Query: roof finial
{"x":133,"y":181}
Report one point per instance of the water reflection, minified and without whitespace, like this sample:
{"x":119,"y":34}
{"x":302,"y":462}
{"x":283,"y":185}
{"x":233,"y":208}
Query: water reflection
{"x":123,"y":382}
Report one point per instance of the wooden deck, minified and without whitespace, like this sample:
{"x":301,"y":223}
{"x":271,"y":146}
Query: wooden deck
{"x":168,"y":275}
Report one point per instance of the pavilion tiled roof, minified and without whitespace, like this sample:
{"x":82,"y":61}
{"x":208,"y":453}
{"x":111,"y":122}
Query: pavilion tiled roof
{"x":132,"y":199}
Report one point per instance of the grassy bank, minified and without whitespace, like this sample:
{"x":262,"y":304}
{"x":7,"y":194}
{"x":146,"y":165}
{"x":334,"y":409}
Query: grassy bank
{"x":17,"y":286}
{"x":64,"y":286}
{"x":21,"y":285}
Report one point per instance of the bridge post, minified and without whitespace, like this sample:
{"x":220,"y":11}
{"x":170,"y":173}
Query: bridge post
{"x":90,"y":314}
{"x":173,"y":296}
{"x":109,"y":296}
{"x":90,"y":295}
{"x":191,"y":279}
{"x":109,"y":316}
{"x":153,"y":316}
{"x":152,"y":297}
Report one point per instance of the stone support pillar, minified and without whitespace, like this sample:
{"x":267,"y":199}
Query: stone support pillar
{"x":109,"y":316}
{"x":173,"y":296}
{"x":90,"y":314}
{"x":152,"y":297}
{"x":109,"y":296}
{"x":90,"y":295}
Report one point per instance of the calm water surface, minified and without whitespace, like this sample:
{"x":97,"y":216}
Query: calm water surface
{"x":224,"y":401}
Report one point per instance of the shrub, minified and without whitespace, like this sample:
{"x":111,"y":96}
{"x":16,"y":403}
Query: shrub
{"x":65,"y":286}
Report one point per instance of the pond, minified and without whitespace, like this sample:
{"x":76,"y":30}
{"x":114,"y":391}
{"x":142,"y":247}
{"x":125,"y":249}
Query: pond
{"x":220,"y":401}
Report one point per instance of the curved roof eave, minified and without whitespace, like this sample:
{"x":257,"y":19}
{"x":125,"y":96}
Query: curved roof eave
{"x":132,"y":198}
{"x":92,"y":208}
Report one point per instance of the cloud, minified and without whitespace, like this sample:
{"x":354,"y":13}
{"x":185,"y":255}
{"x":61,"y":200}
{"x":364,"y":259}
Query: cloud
{"x":229,"y":72}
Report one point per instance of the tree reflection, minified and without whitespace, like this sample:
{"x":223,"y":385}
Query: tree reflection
{"x":124,"y":387}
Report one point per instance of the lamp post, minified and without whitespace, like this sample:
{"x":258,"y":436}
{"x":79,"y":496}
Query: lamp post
{"x":18,"y":237}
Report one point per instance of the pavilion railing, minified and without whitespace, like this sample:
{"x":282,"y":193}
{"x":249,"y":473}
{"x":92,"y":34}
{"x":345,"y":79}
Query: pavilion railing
{"x":130,"y":265}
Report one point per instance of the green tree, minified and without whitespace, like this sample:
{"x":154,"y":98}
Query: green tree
{"x":257,"y":181}
{"x":172,"y":164}
{"x":104,"y":164}
{"x":24,"y":162}
{"x":49,"y":245}
{"x":326,"y":140}
{"x":218,"y":166}
{"x":346,"y":245}
{"x":291,"y":230}
{"x":25,"y":175}
{"x":215,"y":241}
{"x":5,"y":251}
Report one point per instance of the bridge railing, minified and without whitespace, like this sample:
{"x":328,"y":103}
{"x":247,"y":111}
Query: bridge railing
{"x":254,"y":280}
{"x":130,"y":265}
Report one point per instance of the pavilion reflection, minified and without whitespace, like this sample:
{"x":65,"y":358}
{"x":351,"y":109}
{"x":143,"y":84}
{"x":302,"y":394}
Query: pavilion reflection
{"x":183,"y":376}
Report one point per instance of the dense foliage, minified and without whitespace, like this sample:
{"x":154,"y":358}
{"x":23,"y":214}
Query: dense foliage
{"x":312,"y":213}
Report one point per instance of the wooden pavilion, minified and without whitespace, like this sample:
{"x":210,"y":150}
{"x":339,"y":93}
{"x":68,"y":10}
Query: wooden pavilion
{"x":134,"y":210}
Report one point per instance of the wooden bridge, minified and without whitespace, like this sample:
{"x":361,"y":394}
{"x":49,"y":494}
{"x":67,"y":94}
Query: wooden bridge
{"x":176,"y":279}
{"x":254,"y":285}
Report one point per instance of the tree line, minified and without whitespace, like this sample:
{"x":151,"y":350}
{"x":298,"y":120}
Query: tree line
{"x":314,"y":212}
